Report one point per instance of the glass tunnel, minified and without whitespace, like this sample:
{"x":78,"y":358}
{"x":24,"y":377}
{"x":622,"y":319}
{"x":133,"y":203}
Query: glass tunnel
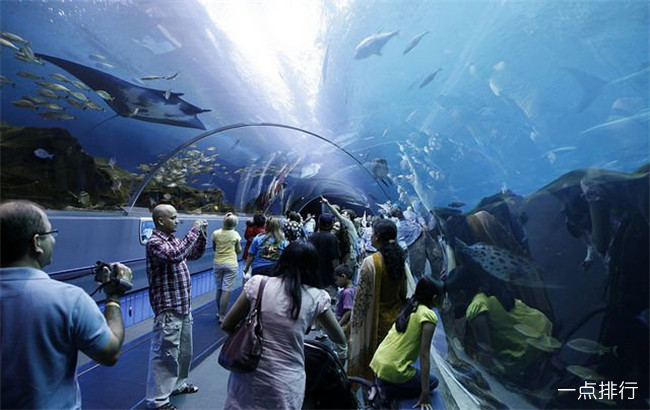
{"x":515,"y":132}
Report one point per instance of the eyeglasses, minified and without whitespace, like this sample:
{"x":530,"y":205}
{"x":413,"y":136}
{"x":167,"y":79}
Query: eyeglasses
{"x":53,"y":232}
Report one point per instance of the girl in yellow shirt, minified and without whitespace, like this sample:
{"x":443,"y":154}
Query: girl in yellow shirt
{"x":410,"y":338}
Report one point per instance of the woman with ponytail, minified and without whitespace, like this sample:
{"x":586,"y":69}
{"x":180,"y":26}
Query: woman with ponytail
{"x":384,"y":281}
{"x":410,"y":338}
{"x":290,"y":305}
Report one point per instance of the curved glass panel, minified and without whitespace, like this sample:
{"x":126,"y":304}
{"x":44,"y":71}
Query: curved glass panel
{"x":516,"y":132}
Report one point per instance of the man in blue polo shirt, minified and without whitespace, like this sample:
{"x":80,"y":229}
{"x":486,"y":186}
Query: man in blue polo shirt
{"x":44,"y":323}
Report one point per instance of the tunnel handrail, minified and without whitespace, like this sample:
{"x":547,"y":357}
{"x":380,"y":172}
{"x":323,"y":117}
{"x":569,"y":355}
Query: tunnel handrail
{"x":136,"y":194}
{"x":60,"y":275}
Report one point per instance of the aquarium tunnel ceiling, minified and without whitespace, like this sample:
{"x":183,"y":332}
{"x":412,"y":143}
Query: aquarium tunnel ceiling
{"x":266,"y":105}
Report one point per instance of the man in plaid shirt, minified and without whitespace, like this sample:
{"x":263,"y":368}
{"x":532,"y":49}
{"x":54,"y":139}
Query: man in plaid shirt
{"x":170,"y":298}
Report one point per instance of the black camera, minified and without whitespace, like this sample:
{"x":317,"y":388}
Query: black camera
{"x":104,"y":279}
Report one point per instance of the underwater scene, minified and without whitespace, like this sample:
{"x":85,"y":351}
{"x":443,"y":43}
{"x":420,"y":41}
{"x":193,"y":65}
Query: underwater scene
{"x":516,"y":132}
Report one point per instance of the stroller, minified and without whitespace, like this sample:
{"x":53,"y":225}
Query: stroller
{"x":329,"y":387}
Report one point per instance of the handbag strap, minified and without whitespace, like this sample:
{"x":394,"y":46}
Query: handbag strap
{"x":260,"y":293}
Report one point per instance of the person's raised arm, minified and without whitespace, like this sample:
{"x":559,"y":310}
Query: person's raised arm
{"x":424,"y":402}
{"x":329,"y":206}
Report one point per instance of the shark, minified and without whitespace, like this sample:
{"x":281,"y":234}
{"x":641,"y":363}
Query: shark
{"x":134,"y":101}
{"x":373,"y":44}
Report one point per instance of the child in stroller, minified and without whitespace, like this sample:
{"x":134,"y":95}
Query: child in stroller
{"x":329,"y":387}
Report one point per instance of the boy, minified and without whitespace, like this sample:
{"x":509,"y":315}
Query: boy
{"x":343,"y":279}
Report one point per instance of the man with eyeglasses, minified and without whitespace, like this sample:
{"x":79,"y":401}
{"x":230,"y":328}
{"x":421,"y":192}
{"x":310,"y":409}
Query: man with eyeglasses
{"x":44,"y":322}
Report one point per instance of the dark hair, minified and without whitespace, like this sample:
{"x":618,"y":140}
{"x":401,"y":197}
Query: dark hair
{"x":298,"y":265}
{"x":19,"y":221}
{"x":294,"y":216}
{"x":343,"y":269}
{"x":425,"y":290}
{"x":259,"y":220}
{"x":325,"y":222}
{"x":386,"y":232}
{"x":351,"y":213}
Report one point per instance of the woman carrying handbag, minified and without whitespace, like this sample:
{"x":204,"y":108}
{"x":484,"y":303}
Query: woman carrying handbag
{"x":290,"y":305}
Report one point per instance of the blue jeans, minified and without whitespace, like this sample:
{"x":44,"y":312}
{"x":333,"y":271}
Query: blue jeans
{"x":406,"y":390}
{"x":170,"y":356}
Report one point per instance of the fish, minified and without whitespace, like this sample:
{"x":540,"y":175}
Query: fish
{"x":5,"y":80}
{"x":48,"y":93}
{"x":414,"y":42}
{"x":60,"y":77}
{"x":24,"y":103}
{"x":584,"y":373}
{"x":373,"y":44}
{"x":54,"y":86}
{"x":52,"y":106}
{"x":43,"y":154}
{"x":544,"y":343}
{"x":172,"y":76}
{"x":501,"y":263}
{"x":25,"y":74}
{"x":430,"y":78}
{"x":56,"y":115}
{"x":80,"y":85}
{"x":9,"y":44}
{"x":456,"y":204}
{"x":97,"y":57}
{"x":168,"y":94}
{"x":152,"y":77}
{"x":35,"y":100}
{"x":134,"y":101}
{"x":104,"y":95}
{"x":590,"y":347}
{"x":13,"y":37}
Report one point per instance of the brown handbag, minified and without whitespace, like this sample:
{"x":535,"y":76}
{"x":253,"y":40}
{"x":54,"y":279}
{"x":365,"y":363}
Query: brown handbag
{"x":242,"y":350}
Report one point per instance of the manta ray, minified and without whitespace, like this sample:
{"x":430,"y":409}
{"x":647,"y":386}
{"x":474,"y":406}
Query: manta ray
{"x":134,"y":101}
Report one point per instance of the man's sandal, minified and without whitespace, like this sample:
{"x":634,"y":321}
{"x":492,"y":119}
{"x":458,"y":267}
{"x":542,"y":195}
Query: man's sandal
{"x":187,"y":389}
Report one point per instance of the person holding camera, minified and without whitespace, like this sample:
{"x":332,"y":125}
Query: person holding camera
{"x":170,"y":297}
{"x":45,"y":323}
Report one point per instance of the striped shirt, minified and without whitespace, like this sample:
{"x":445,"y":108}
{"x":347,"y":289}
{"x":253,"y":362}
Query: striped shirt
{"x":169,"y":278}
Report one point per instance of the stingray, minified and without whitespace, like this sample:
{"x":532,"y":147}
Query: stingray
{"x":134,"y":101}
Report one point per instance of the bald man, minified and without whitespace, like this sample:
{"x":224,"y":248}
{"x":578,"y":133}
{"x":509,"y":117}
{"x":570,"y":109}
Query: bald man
{"x":170,"y":296}
{"x":45,"y":322}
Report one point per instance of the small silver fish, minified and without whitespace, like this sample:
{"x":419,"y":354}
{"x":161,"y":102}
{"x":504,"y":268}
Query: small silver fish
{"x":43,"y":154}
{"x":56,"y":115}
{"x":60,"y":77}
{"x":23,"y":103}
{"x":9,"y":44}
{"x":25,"y":74}
{"x":105,"y":95}
{"x":172,"y":76}
{"x":13,"y":37}
{"x":80,"y":85}
{"x":590,"y":347}
{"x":152,"y":77}
{"x":5,"y":80}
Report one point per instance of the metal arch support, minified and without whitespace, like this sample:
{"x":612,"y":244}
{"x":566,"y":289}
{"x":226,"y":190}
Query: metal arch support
{"x":136,"y":194}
